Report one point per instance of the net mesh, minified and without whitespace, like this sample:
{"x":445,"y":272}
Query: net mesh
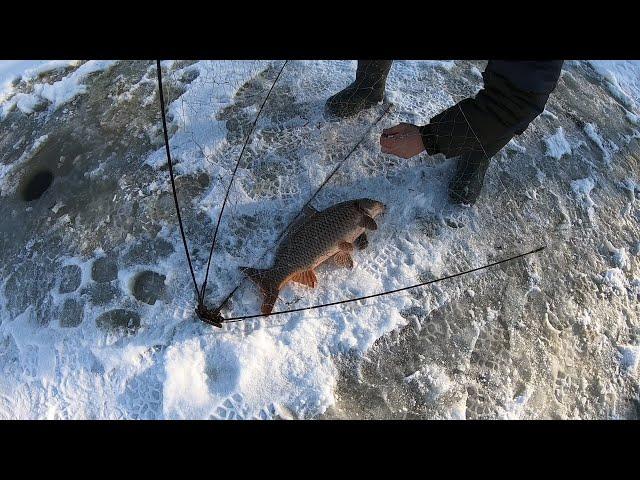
{"x":299,"y":140}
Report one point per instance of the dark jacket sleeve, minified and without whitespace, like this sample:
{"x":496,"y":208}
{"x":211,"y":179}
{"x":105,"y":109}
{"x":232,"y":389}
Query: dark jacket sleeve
{"x":514,"y":94}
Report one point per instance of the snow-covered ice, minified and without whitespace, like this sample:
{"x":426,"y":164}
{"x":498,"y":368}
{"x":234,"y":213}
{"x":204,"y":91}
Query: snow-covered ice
{"x":630,"y":357}
{"x":96,"y":304}
{"x":605,"y":146}
{"x":56,"y":94}
{"x":622,"y":79}
{"x":582,"y":189}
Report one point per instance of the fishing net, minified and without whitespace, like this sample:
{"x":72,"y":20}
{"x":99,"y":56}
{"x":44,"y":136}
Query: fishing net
{"x":260,"y":130}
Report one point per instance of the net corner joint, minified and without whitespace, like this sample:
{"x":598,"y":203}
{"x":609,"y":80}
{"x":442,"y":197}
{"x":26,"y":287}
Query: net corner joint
{"x":212,"y":317}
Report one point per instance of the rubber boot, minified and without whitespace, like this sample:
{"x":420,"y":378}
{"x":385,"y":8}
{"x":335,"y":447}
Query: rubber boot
{"x":366,"y":91}
{"x":466,"y":184}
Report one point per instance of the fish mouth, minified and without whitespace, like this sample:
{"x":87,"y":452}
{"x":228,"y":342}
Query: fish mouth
{"x":378,"y":210}
{"x":372,"y":208}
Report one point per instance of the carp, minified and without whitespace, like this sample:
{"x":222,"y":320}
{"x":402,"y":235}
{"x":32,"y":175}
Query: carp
{"x":312,"y":239}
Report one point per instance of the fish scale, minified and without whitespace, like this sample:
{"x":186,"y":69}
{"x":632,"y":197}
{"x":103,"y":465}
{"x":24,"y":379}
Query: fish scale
{"x":311,"y":241}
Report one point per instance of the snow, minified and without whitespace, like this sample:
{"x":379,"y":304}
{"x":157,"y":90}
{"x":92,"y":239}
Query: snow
{"x":12,"y":70}
{"x":557,"y":144}
{"x":55,"y":94}
{"x":607,"y":148}
{"x":621,"y":258}
{"x":198,"y":126}
{"x":582,"y":189}
{"x":432,"y":380}
{"x":630,"y":357}
{"x":615,"y":278}
{"x":515,"y":146}
{"x":475,"y":71}
{"x":29,"y":69}
{"x":185,"y":388}
{"x":7,"y":169}
{"x":70,"y":86}
{"x":621,"y":76}
{"x":446,"y":64}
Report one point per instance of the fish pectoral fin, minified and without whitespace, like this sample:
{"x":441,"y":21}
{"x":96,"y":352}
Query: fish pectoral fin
{"x":343,"y":259}
{"x":307,"y":277}
{"x":368,"y":223}
{"x":362,"y":242}
{"x":346,"y":247}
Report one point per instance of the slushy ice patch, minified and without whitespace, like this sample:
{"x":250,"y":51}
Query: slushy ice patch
{"x":71,"y":314}
{"x":148,"y":286}
{"x":119,"y":319}
{"x":104,"y":270}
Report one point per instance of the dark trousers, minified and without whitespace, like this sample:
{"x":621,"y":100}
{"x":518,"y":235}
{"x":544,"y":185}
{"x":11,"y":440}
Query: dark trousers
{"x":514,"y":94}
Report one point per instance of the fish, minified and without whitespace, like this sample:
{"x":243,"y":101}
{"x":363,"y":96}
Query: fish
{"x":314,"y":238}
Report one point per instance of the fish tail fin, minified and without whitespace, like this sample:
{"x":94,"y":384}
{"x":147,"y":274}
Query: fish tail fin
{"x":266,"y":285}
{"x":269,"y":302}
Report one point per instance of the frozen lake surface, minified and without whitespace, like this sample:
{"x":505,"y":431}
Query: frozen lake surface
{"x":96,"y":300}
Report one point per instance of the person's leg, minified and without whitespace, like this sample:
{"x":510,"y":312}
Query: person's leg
{"x":472,"y":165}
{"x":477,"y":128}
{"x":366,"y":90}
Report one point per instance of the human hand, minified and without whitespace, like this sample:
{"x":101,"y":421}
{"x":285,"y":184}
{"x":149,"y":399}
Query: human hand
{"x":403,"y":140}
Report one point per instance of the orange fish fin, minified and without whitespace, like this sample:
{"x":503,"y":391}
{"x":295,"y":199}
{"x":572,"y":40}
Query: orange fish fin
{"x":343,"y":259}
{"x":269,"y":301}
{"x":346,"y":247}
{"x":298,"y":278}
{"x":308,"y":278}
{"x":368,"y":223}
{"x":262,"y":279}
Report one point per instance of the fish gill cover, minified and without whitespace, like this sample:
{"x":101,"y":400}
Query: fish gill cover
{"x":97,"y":299}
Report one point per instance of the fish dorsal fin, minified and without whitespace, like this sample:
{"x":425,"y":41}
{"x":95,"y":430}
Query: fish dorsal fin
{"x":368,"y":223}
{"x":308,"y":210}
{"x":346,"y":247}
{"x":307,"y":277}
{"x":343,"y":259}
